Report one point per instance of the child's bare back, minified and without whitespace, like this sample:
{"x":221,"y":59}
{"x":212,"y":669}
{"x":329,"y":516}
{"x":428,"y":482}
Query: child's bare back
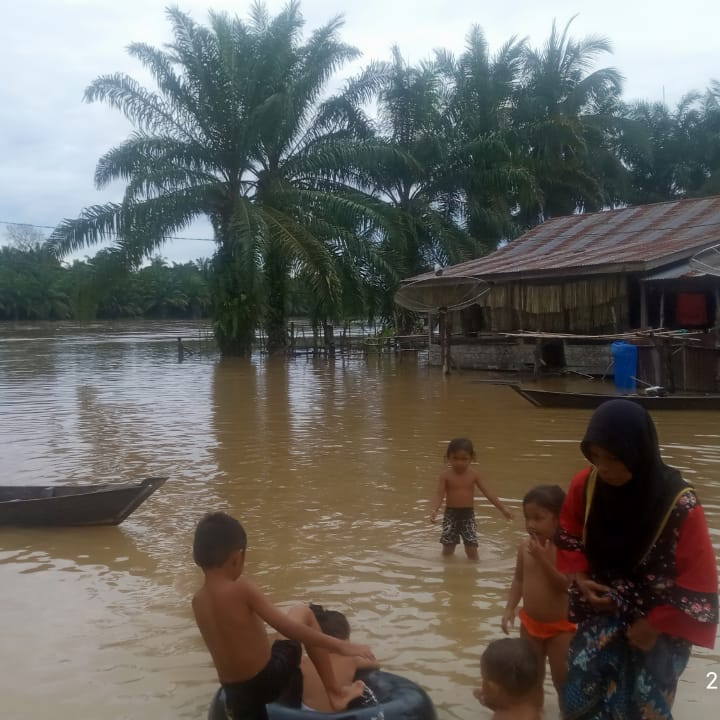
{"x":223,"y":615}
{"x":345,"y":668}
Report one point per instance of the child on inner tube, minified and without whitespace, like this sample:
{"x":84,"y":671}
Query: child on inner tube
{"x":334,"y":623}
{"x":231,"y":612}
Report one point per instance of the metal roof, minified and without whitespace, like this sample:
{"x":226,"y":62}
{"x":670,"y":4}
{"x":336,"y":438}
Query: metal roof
{"x":680,"y":271}
{"x":633,"y":239}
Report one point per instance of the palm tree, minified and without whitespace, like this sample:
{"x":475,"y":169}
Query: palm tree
{"x":674,"y":152}
{"x":483,"y":168}
{"x":565,"y":114}
{"x":235,"y":132}
{"x":411,"y":103}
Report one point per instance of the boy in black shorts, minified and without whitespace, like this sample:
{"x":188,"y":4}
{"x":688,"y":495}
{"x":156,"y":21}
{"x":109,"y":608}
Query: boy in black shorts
{"x":457,"y":487}
{"x":231,"y":612}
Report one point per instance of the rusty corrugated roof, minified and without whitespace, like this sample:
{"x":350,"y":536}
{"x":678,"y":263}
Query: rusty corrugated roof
{"x":633,"y":239}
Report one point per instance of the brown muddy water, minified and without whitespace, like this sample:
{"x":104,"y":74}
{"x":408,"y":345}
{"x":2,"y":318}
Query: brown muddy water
{"x":329,"y":465}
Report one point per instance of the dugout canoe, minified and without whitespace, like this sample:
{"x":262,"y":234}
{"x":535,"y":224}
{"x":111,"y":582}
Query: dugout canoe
{"x":59,"y":505}
{"x":590,"y":401}
{"x":398,"y":699}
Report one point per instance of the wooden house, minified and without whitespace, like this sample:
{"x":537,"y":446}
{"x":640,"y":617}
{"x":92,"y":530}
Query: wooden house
{"x":600,"y":274}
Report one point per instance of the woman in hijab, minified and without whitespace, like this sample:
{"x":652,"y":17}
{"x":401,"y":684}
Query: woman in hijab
{"x":634,"y":541}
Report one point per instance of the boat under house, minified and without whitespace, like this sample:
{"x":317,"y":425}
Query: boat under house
{"x":561,"y":293}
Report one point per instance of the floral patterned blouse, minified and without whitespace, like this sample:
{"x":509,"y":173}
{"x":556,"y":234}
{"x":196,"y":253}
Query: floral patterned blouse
{"x":675,"y":586}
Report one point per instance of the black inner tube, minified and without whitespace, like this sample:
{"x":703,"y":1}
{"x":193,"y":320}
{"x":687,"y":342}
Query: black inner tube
{"x":398,"y":699}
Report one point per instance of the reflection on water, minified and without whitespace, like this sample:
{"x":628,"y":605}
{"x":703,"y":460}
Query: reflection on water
{"x":328,"y":463}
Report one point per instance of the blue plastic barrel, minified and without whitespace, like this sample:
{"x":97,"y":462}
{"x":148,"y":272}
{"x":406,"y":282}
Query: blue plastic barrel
{"x":625,"y":356}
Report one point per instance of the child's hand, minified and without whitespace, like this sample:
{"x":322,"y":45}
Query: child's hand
{"x":508,"y":620}
{"x":642,"y":635}
{"x":433,"y":517}
{"x":508,"y":514}
{"x":542,"y":550}
{"x":357,"y":650}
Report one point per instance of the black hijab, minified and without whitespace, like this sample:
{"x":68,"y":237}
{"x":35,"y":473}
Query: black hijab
{"x":624,"y":520}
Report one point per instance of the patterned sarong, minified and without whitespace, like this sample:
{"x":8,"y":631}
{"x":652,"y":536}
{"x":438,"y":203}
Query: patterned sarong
{"x":608,"y":679}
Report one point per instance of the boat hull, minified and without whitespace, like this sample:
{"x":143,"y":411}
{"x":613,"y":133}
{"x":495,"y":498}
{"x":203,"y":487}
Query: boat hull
{"x":71,"y":505}
{"x":590,"y":401}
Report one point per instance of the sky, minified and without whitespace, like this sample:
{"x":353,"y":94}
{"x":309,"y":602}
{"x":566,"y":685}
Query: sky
{"x":50,"y":50}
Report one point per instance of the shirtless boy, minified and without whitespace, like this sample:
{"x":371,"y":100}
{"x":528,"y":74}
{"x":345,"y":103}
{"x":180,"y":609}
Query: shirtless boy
{"x":231,"y":612}
{"x":542,"y":588}
{"x":336,"y":624}
{"x":457,"y":485}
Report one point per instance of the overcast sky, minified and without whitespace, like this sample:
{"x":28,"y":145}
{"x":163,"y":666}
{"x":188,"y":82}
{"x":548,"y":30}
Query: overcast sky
{"x":50,"y":50}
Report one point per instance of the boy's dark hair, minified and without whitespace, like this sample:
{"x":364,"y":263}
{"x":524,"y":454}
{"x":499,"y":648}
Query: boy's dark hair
{"x":550,"y":497}
{"x":331,"y":622}
{"x":460,"y":445}
{"x":217,"y":536}
{"x":512,"y":664}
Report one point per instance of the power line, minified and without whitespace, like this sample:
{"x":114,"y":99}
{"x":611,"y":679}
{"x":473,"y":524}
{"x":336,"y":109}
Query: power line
{"x":52,"y":227}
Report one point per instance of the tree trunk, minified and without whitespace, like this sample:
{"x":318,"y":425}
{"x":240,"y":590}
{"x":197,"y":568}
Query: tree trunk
{"x":276,"y":315}
{"x":235,"y":307}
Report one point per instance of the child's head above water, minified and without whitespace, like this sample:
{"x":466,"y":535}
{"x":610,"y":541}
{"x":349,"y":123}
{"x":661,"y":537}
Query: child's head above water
{"x":217,"y":537}
{"x":331,"y":622}
{"x":541,"y":507}
{"x":510,"y":673}
{"x":460,"y":445}
{"x":460,"y":453}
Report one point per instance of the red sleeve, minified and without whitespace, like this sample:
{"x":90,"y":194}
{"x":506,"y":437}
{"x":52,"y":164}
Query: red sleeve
{"x":570,"y":557}
{"x":697,"y":576}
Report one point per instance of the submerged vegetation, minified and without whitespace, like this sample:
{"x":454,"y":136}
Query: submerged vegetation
{"x":321,"y":203}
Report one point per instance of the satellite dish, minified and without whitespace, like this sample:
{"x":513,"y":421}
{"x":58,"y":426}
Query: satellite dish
{"x":441,"y":292}
{"x":707,"y":261}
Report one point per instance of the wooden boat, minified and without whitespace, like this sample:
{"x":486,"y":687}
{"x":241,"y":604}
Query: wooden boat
{"x":589,"y":401}
{"x":56,"y":505}
{"x":396,"y":698}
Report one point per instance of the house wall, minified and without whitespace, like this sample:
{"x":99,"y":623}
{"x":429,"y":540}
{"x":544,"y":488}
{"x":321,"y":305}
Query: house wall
{"x":591,"y":305}
{"x":488,"y":353}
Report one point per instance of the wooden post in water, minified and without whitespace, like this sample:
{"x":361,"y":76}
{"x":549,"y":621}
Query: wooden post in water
{"x":181,"y":351}
{"x":329,"y":338}
{"x":444,"y":340}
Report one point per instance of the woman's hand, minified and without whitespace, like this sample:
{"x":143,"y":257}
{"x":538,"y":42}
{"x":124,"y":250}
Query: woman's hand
{"x":642,"y":635}
{"x":595,"y":593}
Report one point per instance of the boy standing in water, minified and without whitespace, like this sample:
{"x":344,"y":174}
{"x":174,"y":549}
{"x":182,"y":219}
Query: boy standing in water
{"x":231,"y":612}
{"x":457,"y":486}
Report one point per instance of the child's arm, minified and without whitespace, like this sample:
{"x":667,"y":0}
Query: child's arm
{"x":438,"y":498}
{"x":514,"y":595}
{"x":285,"y":625}
{"x":364,"y":664}
{"x":494,"y":499}
{"x":544,"y":553}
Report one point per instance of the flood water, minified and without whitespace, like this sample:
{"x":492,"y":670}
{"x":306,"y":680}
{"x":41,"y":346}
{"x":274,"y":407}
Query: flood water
{"x":329,"y":465}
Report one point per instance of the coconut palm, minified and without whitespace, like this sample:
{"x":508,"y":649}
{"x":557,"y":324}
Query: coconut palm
{"x":235,"y":132}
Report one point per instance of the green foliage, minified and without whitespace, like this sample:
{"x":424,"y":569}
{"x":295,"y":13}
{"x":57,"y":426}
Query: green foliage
{"x":35,"y":286}
{"x":320,"y":208}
